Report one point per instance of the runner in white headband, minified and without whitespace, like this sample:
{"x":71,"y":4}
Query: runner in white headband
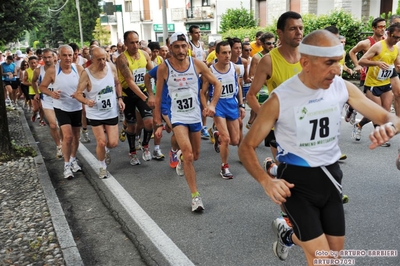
{"x":321,"y":51}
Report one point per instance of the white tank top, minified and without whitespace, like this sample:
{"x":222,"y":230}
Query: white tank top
{"x":104,"y":94}
{"x":308,"y":127}
{"x":46,"y":98}
{"x":183,"y":89}
{"x":228,"y":81}
{"x":80,"y":61}
{"x":67,"y":84}
{"x":197,"y":51}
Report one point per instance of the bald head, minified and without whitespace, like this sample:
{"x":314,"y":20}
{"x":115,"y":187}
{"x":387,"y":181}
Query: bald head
{"x":98,"y":52}
{"x":322,"y":38}
{"x":321,"y":43}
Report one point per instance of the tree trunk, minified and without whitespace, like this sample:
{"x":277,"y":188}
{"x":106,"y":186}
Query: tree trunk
{"x":5,"y":140}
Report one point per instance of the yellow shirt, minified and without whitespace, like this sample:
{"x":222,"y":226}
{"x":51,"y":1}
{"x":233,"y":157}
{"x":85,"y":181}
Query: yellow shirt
{"x":281,"y":70}
{"x":29,"y":72}
{"x":377,"y":76}
{"x":138,"y":68}
{"x":211,"y":57}
{"x":255,"y":48}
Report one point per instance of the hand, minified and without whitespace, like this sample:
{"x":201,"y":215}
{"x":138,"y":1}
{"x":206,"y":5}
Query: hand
{"x":242,"y":112}
{"x":350,"y":71}
{"x":121,"y":105}
{"x":36,"y":97}
{"x":158,"y":132}
{"x":151,"y":102}
{"x":90,"y":103}
{"x":278,"y":190}
{"x":358,"y":69}
{"x":209,"y":110}
{"x":56,"y":94}
{"x":381,"y":134}
{"x":383,"y":65}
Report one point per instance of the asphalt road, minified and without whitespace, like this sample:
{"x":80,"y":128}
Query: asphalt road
{"x":152,"y":216}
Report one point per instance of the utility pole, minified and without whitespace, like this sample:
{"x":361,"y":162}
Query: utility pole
{"x":165,"y":21}
{"x":80,"y":22}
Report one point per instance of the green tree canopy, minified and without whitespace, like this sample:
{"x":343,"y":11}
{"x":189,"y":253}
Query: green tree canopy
{"x":17,"y":16}
{"x":236,"y":18}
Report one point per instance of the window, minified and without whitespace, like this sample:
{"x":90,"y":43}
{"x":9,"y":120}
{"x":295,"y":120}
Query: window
{"x":205,"y":2}
{"x":128,"y":6}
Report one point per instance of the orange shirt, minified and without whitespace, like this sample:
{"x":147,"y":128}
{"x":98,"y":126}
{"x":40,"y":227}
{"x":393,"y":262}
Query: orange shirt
{"x":255,"y":48}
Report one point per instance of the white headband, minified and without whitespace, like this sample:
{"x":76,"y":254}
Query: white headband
{"x":321,"y":51}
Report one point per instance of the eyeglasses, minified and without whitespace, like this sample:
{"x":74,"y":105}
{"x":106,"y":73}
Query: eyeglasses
{"x":381,"y":27}
{"x":269,"y":43}
{"x":395,"y":37}
{"x":107,"y":51}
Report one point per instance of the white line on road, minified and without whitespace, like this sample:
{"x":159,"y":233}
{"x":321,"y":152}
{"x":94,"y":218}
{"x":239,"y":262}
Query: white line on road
{"x":163,"y":243}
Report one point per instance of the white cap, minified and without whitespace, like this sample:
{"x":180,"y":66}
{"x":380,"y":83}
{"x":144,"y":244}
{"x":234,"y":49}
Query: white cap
{"x":175,"y":36}
{"x":19,"y":53}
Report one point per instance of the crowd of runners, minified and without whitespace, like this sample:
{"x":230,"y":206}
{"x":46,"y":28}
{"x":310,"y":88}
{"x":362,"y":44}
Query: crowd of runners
{"x":135,"y":91}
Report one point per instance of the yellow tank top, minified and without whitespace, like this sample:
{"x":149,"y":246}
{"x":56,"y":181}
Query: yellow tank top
{"x":29,"y":72}
{"x":138,"y":68}
{"x":377,"y":76}
{"x":342,"y":62}
{"x":281,"y":70}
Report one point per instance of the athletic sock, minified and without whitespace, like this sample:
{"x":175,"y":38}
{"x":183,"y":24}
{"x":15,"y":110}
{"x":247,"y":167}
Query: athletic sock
{"x":196,"y":194}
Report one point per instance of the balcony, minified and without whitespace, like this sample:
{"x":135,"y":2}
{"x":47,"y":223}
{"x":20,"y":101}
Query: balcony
{"x":200,"y":13}
{"x":141,"y":16}
{"x":108,"y":20}
{"x":178,"y":14}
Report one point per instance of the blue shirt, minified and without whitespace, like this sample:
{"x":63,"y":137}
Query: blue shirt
{"x":8,"y":68}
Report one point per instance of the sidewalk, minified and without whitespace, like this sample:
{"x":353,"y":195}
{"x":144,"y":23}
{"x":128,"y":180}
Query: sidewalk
{"x":33,"y":228}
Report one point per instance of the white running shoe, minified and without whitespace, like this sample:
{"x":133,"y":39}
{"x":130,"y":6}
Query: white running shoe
{"x":68,"y":173}
{"x":103,"y":173}
{"x":84,"y":136}
{"x":197,"y":204}
{"x":59,"y":152}
{"x":134,"y":159}
{"x":157,"y":154}
{"x":356,"y":134}
{"x":179,"y":167}
{"x":280,"y":249}
{"x":146,"y":154}
{"x":75,"y":166}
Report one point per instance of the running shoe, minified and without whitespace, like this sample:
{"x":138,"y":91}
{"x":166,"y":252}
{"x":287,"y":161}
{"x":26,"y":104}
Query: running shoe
{"x":268,"y":164}
{"x":59,"y":152}
{"x":204,"y":133}
{"x":42,"y":123}
{"x":343,"y":157}
{"x":216,"y":141}
{"x":108,"y":156}
{"x":281,"y":250}
{"x":146,"y":154}
{"x":158,"y":155}
{"x":134,"y":159}
{"x":103,"y":173}
{"x":197,"y":204}
{"x":84,"y":136}
{"x":179,"y":167}
{"x":173,"y":159}
{"x":225,"y":173}
{"x":348,"y":113}
{"x":68,"y":173}
{"x":211,"y":133}
{"x":286,"y":218}
{"x":138,"y":144}
{"x":356,"y":134}
{"x":75,"y":166}
{"x":122,"y":135}
{"x":121,"y":117}
{"x":353,"y":117}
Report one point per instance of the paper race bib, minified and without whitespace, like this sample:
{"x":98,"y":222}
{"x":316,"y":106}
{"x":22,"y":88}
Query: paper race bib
{"x":228,"y":88}
{"x":385,"y":74}
{"x":138,"y":76}
{"x":104,"y":102}
{"x":317,"y":123}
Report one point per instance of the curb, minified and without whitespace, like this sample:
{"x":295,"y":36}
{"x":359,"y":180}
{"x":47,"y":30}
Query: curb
{"x":64,"y":235}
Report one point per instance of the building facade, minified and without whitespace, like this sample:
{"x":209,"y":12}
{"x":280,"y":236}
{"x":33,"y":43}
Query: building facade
{"x":145,"y":16}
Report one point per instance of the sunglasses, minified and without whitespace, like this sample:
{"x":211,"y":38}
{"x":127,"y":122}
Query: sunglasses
{"x":381,"y":27}
{"x":395,"y":37}
{"x":269,"y":43}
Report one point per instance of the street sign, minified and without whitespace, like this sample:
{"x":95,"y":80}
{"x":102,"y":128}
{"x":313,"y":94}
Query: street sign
{"x":203,"y":26}
{"x":159,"y":27}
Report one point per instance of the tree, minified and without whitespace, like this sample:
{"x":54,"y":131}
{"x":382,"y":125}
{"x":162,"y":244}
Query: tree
{"x":236,"y":18}
{"x":17,"y":16}
{"x":69,"y":19}
{"x":101,"y":33}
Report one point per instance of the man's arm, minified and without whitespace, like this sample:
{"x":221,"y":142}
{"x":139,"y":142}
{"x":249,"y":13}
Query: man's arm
{"x":47,"y":80}
{"x":253,"y":66}
{"x":36,"y":74}
{"x":239,"y":96}
{"x":118,"y":88}
{"x":365,"y":60}
{"x":151,"y":102}
{"x":206,"y":73}
{"x":84,"y":83}
{"x":122,"y":67}
{"x":276,"y":189}
{"x":263,"y":72}
{"x":360,"y":46}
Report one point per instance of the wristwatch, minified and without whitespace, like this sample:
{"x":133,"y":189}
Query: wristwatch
{"x":242,"y":106}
